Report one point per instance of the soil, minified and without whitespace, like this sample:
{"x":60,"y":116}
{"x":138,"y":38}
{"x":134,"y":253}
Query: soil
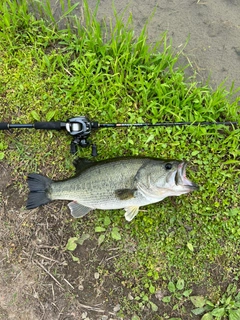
{"x":38,"y":278}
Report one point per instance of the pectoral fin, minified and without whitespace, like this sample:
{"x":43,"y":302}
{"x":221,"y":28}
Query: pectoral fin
{"x":131,"y":212}
{"x":78,"y":210}
{"x":125,"y":194}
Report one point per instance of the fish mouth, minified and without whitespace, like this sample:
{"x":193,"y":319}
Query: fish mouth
{"x":181,"y":178}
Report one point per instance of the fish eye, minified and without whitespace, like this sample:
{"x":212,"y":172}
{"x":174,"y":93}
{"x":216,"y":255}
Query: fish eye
{"x":168,"y":166}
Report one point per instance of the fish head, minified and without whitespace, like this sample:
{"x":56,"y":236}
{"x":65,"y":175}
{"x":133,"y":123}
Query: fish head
{"x":168,"y":178}
{"x":177,"y":178}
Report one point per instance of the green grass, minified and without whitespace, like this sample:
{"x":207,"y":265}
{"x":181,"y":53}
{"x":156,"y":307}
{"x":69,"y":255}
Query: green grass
{"x":105,"y":72}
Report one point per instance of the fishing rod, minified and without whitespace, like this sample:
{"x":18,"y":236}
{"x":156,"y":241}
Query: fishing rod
{"x":80,"y":128}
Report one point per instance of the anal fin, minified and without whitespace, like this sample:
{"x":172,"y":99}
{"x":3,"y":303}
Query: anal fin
{"x":78,"y":210}
{"x":131,"y":212}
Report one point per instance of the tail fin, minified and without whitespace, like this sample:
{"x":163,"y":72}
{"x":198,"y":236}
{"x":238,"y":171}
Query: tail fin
{"x":39,"y":187}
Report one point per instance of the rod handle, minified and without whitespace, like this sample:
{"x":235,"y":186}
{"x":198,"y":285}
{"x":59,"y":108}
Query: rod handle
{"x":4,"y":126}
{"x":54,"y":125}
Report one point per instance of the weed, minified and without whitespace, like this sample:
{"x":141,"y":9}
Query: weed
{"x":72,"y":245}
{"x":114,"y":232}
{"x":226,"y":307}
{"x":2,"y":148}
{"x":178,"y":292}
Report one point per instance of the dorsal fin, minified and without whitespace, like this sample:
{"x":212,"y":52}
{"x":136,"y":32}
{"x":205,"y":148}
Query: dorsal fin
{"x":82,"y":164}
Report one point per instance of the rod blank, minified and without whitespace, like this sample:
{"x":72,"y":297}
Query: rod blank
{"x":166,"y":124}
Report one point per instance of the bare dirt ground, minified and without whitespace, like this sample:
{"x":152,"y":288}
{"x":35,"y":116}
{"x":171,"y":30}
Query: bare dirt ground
{"x":38,"y":278}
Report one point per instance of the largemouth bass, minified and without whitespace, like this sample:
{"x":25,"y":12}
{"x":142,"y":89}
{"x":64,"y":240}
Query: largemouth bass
{"x":119,"y":183}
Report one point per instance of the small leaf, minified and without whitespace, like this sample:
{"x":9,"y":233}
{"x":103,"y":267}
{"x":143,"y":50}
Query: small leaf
{"x":180,"y":284}
{"x":195,"y":152}
{"x":218,"y":312}
{"x":75,"y":259}
{"x":187,"y":293}
{"x":153,"y":306}
{"x":234,"y":314}
{"x":150,"y":138}
{"x":178,"y":295}
{"x":198,"y":301}
{"x":237,"y":297}
{"x":50,"y":115}
{"x":1,"y":155}
{"x":171,"y":287}
{"x":35,"y":115}
{"x":228,"y":301}
{"x":145,"y":298}
{"x":209,"y":303}
{"x":233,"y":212}
{"x":100,"y":229}
{"x":107,"y":221}
{"x":198,"y":311}
{"x":166,"y":299}
{"x":71,"y":244}
{"x":152,"y":289}
{"x":115,"y":234}
{"x":84,"y":237}
{"x":231,"y":162}
{"x":135,"y":318}
{"x":101,"y":239}
{"x":207,"y":316}
{"x":175,"y":307}
{"x":190,"y":246}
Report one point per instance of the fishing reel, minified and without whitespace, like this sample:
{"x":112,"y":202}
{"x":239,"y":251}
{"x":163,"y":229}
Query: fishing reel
{"x":80,"y":128}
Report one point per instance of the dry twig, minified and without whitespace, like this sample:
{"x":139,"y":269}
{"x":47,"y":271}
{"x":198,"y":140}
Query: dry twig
{"x":49,"y":273}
